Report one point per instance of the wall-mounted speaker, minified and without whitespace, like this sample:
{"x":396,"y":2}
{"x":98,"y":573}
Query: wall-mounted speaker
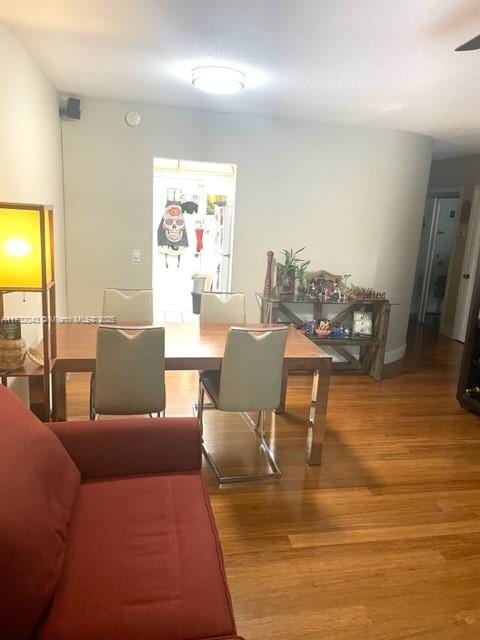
{"x":71,"y":111}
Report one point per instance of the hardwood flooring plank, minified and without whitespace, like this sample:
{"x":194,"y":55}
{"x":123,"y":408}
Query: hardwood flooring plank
{"x":380,"y":543}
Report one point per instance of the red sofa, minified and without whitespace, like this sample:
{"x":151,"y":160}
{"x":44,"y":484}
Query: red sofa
{"x":106,"y":531}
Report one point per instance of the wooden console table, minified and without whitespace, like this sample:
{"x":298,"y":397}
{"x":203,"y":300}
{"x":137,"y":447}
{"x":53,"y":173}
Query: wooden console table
{"x":371,"y":348}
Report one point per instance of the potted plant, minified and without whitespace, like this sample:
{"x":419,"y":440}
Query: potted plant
{"x":287,"y":271}
{"x":301,"y":277}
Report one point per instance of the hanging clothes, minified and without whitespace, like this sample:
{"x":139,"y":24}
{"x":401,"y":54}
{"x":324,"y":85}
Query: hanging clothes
{"x":199,"y":237}
{"x":171,"y":234}
{"x":189,"y":207}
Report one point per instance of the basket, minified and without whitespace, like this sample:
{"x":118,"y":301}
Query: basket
{"x":12,"y":353}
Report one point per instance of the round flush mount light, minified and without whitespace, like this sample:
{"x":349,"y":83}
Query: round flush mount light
{"x":221,"y":80}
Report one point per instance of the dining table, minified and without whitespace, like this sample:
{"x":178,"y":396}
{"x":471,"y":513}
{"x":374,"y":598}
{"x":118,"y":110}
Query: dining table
{"x":191,"y":346}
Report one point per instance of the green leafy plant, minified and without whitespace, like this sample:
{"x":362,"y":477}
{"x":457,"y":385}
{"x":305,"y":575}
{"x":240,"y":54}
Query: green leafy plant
{"x":291,"y":259}
{"x":302,"y":269}
{"x":293,"y":268}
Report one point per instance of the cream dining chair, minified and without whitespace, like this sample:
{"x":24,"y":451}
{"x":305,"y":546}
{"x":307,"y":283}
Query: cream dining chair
{"x":250,"y":380}
{"x":129,"y":371}
{"x":222,"y":308}
{"x":129,"y":305}
{"x":125,"y":306}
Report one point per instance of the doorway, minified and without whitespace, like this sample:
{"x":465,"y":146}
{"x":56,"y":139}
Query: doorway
{"x":193,"y":224}
{"x":469,"y":266}
{"x":434,"y":257}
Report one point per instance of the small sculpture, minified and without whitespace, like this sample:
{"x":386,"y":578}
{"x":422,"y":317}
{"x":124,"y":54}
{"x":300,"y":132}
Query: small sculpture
{"x":267,"y":287}
{"x":323,"y":329}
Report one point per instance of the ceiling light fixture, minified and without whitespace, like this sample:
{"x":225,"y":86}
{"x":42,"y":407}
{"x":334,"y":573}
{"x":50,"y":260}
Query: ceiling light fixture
{"x":221,"y":80}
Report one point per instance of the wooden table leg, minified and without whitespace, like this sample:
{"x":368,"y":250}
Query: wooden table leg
{"x":317,"y":420}
{"x":59,"y":395}
{"x":377,"y":363}
{"x":36,"y":392}
{"x":283,"y":392}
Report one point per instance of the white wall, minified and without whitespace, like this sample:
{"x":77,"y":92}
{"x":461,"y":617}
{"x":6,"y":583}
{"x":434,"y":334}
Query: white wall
{"x":30,"y":150}
{"x":462,"y":172}
{"x":30,"y":164}
{"x":353,"y":195}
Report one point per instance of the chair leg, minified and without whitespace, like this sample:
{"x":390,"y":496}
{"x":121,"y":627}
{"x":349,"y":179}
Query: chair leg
{"x":263,"y":443}
{"x":260,"y":426}
{"x":200,"y":406}
{"x":92,"y":396}
{"x":206,"y":405}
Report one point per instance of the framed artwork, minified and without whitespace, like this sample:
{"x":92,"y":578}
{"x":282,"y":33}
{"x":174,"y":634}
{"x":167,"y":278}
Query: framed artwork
{"x":362,"y":323}
{"x":10,"y":329}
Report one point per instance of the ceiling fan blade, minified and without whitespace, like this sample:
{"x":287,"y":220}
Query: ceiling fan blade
{"x":471,"y":45}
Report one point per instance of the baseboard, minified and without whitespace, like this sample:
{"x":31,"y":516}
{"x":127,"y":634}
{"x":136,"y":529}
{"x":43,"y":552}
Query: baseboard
{"x":395,"y":354}
{"x":446,"y":331}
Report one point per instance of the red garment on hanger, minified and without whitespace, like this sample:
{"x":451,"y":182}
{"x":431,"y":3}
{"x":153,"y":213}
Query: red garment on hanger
{"x":199,"y":235}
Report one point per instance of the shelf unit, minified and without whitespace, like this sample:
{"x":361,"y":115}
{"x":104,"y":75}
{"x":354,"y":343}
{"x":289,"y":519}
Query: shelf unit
{"x":42,"y":276}
{"x":372,"y":348}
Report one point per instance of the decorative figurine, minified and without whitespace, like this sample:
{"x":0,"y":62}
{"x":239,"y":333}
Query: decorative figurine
{"x":308,"y":328}
{"x":323,"y":328}
{"x":267,"y":287}
{"x":340,"y":331}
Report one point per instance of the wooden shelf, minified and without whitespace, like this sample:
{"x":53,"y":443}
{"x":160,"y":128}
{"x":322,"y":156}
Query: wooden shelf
{"x":39,"y":378}
{"x":318,"y":300}
{"x":27,"y":370}
{"x":348,"y":342}
{"x":47,"y":287}
{"x":372,"y":348}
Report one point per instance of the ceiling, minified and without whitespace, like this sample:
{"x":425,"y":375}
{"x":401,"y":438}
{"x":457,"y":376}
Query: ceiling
{"x":373,"y":62}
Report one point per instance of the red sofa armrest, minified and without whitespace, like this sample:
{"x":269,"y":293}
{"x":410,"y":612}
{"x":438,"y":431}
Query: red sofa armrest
{"x":106,"y":448}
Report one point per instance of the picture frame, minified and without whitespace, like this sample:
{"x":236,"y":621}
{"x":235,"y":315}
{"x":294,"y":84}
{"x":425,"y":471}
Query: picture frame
{"x":362,"y":323}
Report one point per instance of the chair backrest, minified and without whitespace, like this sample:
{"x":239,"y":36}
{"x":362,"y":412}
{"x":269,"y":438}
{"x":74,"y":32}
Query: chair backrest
{"x":251,"y":374}
{"x":130,"y":370}
{"x":222,"y":308}
{"x":129,"y":305}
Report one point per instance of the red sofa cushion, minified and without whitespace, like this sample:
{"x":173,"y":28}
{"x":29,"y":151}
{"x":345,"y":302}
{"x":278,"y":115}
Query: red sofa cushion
{"x":142,"y":561}
{"x":38,"y":485}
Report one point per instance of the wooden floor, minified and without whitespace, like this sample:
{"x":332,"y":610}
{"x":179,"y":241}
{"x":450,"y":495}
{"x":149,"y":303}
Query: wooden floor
{"x":383,"y":541}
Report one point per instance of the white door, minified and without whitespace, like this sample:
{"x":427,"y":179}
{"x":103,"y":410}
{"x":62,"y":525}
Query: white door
{"x":223,"y":247}
{"x":423,"y":260}
{"x":469,"y":267}
{"x":433,"y":262}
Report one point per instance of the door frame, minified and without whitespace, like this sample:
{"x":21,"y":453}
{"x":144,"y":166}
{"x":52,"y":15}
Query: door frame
{"x":472,"y":254}
{"x":443,"y":192}
{"x":199,"y":174}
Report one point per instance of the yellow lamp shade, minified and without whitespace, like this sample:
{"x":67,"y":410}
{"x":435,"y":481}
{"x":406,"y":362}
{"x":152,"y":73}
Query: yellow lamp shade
{"x":21,"y":251}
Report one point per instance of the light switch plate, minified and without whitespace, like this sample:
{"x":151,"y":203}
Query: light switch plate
{"x":136,"y":255}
